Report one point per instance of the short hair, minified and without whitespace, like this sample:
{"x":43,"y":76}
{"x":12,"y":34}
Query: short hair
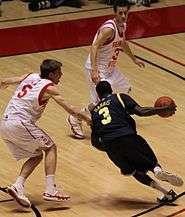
{"x":121,"y":3}
{"x":47,"y":66}
{"x":103,"y":88}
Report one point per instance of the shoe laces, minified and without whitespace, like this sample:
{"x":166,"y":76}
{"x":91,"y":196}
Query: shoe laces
{"x":56,"y":189}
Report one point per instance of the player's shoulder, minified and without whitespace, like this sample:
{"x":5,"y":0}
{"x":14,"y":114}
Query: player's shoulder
{"x":52,"y":89}
{"x":109,"y":24}
{"x":30,"y":76}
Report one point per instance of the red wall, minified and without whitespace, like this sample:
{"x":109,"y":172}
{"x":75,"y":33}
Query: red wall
{"x":57,"y":35}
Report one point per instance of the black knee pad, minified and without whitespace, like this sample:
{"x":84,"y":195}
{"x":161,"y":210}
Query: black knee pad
{"x":143,"y":178}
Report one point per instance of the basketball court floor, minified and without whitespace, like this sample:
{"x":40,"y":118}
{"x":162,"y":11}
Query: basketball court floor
{"x":96,"y":187}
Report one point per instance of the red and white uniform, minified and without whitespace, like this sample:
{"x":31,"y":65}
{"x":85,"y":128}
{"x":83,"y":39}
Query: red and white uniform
{"x":26,"y":102}
{"x":18,"y":128}
{"x":108,"y":53}
{"x":106,"y":60}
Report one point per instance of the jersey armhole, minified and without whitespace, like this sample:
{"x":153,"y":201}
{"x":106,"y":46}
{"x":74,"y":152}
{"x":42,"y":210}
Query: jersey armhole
{"x":41,"y":94}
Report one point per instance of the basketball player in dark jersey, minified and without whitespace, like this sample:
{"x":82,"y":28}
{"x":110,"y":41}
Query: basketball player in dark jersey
{"x":114,"y":131}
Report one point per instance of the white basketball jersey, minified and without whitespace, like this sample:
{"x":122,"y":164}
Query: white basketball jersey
{"x":26,"y":103}
{"x":108,"y":53}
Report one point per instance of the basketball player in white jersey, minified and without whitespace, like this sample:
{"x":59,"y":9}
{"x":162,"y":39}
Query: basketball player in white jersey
{"x":100,"y":65}
{"x":23,"y":137}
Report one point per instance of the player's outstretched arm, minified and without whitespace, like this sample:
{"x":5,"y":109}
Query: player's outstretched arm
{"x":54,"y":93}
{"x":4,"y":83}
{"x":149,"y":111}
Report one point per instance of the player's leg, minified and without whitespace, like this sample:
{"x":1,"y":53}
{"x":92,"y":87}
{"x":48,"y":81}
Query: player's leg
{"x":46,"y":144}
{"x":16,"y":190}
{"x":143,"y":178}
{"x":119,"y":82}
{"x":75,"y":123}
{"x":21,"y":145}
{"x":51,"y":192}
{"x":148,"y":160}
{"x":126,"y":157}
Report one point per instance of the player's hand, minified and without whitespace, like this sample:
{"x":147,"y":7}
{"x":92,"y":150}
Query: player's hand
{"x":3,"y":85}
{"x":95,"y":76}
{"x":172,"y":108}
{"x":139,"y":63}
{"x":89,"y":122}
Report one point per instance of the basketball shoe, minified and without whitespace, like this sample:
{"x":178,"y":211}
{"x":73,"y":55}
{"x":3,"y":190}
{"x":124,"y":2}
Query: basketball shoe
{"x":55,"y":195}
{"x":19,"y":196}
{"x":168,"y":177}
{"x":169,"y":197}
{"x":76,"y":127}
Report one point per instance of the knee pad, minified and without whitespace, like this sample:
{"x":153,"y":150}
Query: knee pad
{"x":128,"y":173}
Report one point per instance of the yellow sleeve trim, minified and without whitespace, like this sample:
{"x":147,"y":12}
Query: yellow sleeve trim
{"x":121,"y":101}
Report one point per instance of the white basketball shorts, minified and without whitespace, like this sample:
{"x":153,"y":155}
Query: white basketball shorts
{"x":24,"y":139}
{"x":117,"y":80}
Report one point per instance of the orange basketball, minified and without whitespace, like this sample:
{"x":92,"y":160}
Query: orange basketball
{"x":164,"y":101}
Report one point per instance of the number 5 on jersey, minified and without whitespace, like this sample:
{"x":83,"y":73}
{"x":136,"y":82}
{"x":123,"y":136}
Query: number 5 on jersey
{"x":24,"y":90}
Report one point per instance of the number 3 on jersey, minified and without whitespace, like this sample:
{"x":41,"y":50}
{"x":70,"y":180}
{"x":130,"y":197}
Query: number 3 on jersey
{"x":106,"y":115}
{"x":24,"y":90}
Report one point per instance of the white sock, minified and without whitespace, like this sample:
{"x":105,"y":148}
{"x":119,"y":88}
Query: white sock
{"x":19,"y":183}
{"x":157,"y":169}
{"x":50,"y":183}
{"x":158,"y":187}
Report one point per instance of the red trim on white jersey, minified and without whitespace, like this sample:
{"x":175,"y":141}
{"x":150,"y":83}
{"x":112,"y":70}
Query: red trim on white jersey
{"x":26,"y":77}
{"x":42,"y":102}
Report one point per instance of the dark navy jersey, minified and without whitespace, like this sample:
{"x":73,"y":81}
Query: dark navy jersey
{"x":111,"y":117}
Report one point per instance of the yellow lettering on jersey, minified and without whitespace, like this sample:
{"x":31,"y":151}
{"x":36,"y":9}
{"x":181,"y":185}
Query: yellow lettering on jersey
{"x":102,"y":104}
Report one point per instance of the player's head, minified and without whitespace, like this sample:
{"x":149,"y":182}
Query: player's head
{"x":51,"y":69}
{"x":103,"y":88}
{"x":121,"y":3}
{"x":121,"y":8}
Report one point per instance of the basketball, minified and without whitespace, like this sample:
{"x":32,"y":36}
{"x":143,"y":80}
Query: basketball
{"x":164,"y":101}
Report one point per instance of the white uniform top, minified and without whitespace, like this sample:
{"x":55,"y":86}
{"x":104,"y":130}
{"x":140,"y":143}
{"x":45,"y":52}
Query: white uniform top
{"x":108,"y":53}
{"x":26,"y":103}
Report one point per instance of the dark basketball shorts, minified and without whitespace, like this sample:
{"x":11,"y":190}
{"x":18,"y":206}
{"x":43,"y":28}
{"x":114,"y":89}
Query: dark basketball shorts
{"x":131,"y":153}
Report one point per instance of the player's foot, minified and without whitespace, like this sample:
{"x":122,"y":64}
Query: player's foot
{"x":19,"y":196}
{"x":76,"y":127}
{"x":36,"y":5}
{"x":169,"y":197}
{"x":56,"y":196}
{"x":168,"y":177}
{"x":146,"y":3}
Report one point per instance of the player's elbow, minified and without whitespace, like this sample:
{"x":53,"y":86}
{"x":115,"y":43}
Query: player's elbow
{"x":74,"y":113}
